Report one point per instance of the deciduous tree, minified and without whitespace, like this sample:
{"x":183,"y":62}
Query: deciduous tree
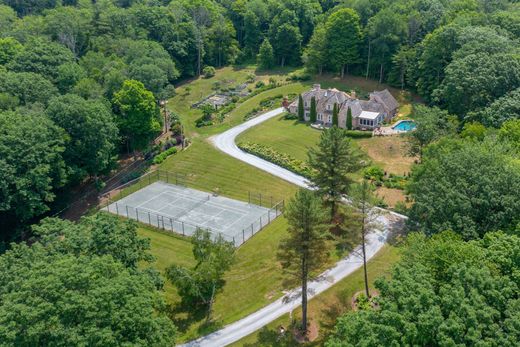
{"x":487,"y":201}
{"x":343,"y":38}
{"x":93,"y":134}
{"x":31,"y":165}
{"x":200,"y":284}
{"x":138,"y":115}
{"x":265,"y":56}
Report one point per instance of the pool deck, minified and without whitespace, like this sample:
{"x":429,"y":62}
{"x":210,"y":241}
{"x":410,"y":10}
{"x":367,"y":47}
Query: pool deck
{"x":389,"y":131}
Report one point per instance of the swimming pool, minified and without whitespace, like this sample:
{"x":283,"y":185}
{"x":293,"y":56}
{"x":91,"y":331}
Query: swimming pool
{"x":404,"y":125}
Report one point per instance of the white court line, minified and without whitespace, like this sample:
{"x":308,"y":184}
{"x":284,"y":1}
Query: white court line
{"x":147,"y":201}
{"x":213,"y":203}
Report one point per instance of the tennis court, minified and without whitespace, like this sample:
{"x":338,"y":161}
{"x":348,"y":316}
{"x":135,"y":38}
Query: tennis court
{"x":183,"y":210}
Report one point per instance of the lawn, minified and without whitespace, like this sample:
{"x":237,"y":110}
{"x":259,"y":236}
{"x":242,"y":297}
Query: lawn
{"x":295,"y":138}
{"x":326,"y":307}
{"x":254,"y":280}
{"x":208,"y":169}
{"x":194,"y":90}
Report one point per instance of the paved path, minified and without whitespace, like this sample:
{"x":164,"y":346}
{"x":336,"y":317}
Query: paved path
{"x":375,"y":241}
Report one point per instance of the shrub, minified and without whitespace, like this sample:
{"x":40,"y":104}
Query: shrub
{"x":259,"y":84}
{"x":250,"y":77}
{"x":282,"y":159}
{"x":209,"y":71}
{"x":176,"y":129}
{"x":357,"y":134}
{"x":290,"y":116}
{"x":299,"y":76}
{"x":161,"y":157}
{"x":374,"y":173}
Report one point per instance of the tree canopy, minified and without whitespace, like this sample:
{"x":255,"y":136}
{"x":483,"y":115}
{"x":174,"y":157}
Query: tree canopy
{"x":80,"y":284}
{"x":444,"y":291}
{"x":465,"y":186}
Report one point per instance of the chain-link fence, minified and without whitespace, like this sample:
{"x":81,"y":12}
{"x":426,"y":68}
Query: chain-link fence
{"x":168,"y":223}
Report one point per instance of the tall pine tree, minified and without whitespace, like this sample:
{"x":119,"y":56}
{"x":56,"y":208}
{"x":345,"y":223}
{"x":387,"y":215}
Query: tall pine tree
{"x":306,"y":248}
{"x":332,"y":161}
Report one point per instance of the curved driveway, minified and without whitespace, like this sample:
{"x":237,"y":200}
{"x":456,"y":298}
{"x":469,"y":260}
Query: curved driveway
{"x":249,"y":324}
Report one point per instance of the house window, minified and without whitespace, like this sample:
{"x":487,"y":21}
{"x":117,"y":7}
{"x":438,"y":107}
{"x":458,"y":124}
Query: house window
{"x":328,"y":107}
{"x":320,"y":117}
{"x":305,"y":103}
{"x":330,"y":121}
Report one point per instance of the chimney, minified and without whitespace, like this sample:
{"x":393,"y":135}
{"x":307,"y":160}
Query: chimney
{"x":353,"y":94}
{"x":316,"y":86}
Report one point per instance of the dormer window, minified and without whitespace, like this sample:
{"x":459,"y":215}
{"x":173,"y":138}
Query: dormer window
{"x":328,"y":107}
{"x":305,"y":103}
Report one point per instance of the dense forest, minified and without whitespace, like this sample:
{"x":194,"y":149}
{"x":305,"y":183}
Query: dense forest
{"x":80,"y":85}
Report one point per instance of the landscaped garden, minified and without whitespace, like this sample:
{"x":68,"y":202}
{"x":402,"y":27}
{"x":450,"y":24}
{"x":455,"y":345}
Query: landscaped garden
{"x":293,"y":138}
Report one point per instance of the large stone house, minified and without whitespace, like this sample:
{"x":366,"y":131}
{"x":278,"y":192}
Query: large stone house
{"x":366,"y":114}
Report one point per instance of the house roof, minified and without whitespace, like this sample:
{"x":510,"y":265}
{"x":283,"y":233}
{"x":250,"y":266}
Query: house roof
{"x":371,"y":106}
{"x":387,"y":98}
{"x":369,"y":115}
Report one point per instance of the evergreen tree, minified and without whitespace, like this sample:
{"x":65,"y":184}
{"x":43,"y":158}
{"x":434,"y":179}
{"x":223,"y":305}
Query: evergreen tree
{"x":335,"y":115}
{"x":306,"y":248}
{"x":349,"y":119}
{"x":313,"y":110}
{"x":265,"y":57}
{"x":332,"y":161}
{"x":300,"y":108}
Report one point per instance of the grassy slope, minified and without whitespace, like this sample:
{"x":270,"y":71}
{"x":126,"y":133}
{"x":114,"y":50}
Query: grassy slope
{"x":325,"y":308}
{"x":254,"y":281}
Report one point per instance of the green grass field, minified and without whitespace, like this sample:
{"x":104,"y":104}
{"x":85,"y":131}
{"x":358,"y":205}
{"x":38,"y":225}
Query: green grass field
{"x":254,"y":280}
{"x":326,"y":307}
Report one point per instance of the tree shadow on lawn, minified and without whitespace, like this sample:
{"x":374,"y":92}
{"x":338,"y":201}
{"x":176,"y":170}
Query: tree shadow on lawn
{"x":185,"y":316}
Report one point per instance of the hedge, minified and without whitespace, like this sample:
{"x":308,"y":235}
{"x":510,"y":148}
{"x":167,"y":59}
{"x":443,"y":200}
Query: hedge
{"x":281,"y":159}
{"x":162,"y":156}
{"x":357,"y":134}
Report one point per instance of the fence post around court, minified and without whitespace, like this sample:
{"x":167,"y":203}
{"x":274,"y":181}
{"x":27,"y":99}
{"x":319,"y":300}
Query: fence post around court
{"x":137,"y":214}
{"x":149,"y":219}
{"x":252,"y":229}
{"x":243,"y":236}
{"x":183,"y":229}
{"x":249,"y":197}
{"x":126,"y":211}
{"x":117,"y":209}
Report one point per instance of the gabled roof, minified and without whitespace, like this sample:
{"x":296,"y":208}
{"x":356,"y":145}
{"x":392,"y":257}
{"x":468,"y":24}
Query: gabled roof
{"x":387,"y":98}
{"x":355,"y":107}
{"x":371,"y":106}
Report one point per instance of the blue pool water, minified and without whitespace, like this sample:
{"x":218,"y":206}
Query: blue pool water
{"x":404,"y":125}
